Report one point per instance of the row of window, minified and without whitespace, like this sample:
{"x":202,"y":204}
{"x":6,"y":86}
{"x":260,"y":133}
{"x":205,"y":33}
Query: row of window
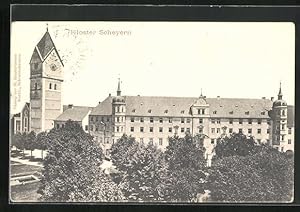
{"x":51,"y":86}
{"x":200,"y":111}
{"x":249,"y":121}
{"x":240,"y":130}
{"x":161,"y":120}
{"x":151,"y":141}
{"x":99,"y":128}
{"x":97,"y":118}
{"x":119,"y":109}
{"x":188,"y":120}
{"x":281,"y":126}
{"x":120,"y":119}
{"x":281,"y":138}
{"x":246,"y":112}
{"x":182,"y":120}
{"x":182,"y":129}
{"x":100,"y":139}
{"x":161,"y":129}
{"x":281,"y":112}
{"x":142,"y":140}
{"x":160,"y":140}
{"x":58,"y":126}
{"x":54,"y":86}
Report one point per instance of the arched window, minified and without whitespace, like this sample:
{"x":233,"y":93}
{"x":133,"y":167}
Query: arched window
{"x":55,"y":87}
{"x":35,"y":86}
{"x":50,"y":86}
{"x":283,"y":112}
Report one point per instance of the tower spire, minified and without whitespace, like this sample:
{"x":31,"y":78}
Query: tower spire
{"x":201,"y":95}
{"x":119,"y":88}
{"x":47,"y":27}
{"x":280,"y":92}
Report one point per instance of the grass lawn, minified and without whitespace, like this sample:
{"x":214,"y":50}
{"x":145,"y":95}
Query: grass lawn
{"x":26,"y":192}
{"x":19,"y":169}
{"x":23,"y":193}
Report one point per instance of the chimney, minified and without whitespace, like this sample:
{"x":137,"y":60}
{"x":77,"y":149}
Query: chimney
{"x":99,"y":102}
{"x":272,"y":98}
{"x":218,"y":97}
{"x":70,"y":106}
{"x":109,"y":94}
{"x":263,"y":97}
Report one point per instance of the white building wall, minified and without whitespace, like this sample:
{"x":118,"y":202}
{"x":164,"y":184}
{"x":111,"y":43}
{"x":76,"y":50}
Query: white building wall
{"x":85,"y":122}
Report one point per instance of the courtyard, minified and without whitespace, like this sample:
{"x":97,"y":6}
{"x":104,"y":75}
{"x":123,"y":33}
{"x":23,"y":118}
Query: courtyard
{"x":25,"y":175}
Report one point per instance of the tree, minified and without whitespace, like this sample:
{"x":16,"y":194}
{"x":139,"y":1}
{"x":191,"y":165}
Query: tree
{"x":139,"y":169}
{"x":186,"y":168}
{"x":122,"y":151}
{"x":30,"y":143}
{"x":18,"y":140}
{"x":235,"y":144}
{"x":266,"y":176}
{"x":72,"y":168}
{"x":41,"y":142}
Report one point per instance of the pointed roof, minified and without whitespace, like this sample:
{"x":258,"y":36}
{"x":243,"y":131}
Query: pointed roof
{"x":200,"y":101}
{"x":45,"y":46}
{"x":280,"y":93}
{"x":119,"y":88}
{"x":103,"y":108}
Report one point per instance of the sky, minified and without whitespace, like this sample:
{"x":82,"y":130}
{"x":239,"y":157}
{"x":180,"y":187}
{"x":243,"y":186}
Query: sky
{"x":226,"y":59}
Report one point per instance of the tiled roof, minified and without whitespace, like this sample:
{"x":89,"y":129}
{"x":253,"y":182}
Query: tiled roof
{"x":104,"y":108}
{"x":45,"y":46}
{"x":239,"y":108}
{"x":76,"y":113}
{"x":290,"y":116}
{"x":180,"y":107}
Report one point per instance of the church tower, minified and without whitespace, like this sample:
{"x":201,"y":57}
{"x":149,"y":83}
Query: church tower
{"x":279,"y":116}
{"x":118,"y":114}
{"x":46,"y":78}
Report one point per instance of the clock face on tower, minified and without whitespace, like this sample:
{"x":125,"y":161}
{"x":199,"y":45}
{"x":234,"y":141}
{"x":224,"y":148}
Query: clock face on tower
{"x":53,"y":67}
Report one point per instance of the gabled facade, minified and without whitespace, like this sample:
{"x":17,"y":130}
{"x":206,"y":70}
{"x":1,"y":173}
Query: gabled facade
{"x":20,"y":122}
